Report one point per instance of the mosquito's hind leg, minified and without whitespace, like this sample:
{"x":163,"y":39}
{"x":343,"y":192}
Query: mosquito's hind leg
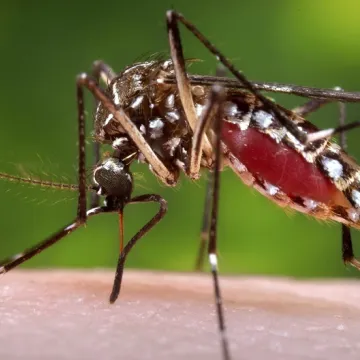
{"x":173,"y":18}
{"x":313,"y":105}
{"x":347,"y":252}
{"x":341,"y":129}
{"x":347,"y":248}
{"x":310,"y":107}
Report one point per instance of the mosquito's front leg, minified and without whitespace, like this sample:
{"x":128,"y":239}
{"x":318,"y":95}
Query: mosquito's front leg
{"x":82,"y":214}
{"x":185,"y":93}
{"x":102,"y":71}
{"x":27,"y":254}
{"x":81,"y":210}
{"x":146,"y":228}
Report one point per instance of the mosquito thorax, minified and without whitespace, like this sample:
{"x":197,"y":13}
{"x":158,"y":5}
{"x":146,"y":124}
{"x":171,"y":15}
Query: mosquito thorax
{"x":133,"y":90}
{"x":115,"y":182}
{"x":155,"y":108}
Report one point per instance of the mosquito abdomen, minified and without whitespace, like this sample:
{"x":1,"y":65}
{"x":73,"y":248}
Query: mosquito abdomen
{"x":287,"y":176}
{"x":280,"y":165}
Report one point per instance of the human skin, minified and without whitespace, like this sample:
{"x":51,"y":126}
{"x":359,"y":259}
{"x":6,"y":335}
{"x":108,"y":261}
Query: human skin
{"x":58,"y":314}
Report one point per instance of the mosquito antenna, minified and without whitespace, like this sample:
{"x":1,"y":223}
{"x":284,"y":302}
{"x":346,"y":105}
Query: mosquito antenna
{"x":146,"y":228}
{"x":43,"y":183}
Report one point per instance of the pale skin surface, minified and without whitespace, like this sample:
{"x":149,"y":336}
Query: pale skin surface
{"x":66,"y":315}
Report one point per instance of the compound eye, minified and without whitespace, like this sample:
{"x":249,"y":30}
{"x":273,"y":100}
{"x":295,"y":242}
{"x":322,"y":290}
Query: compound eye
{"x":114,"y":179}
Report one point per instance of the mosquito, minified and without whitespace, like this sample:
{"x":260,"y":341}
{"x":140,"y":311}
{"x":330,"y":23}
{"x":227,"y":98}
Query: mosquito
{"x":156,"y":113}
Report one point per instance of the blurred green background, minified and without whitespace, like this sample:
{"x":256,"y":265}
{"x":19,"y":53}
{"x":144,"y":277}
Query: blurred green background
{"x":45,"y":44}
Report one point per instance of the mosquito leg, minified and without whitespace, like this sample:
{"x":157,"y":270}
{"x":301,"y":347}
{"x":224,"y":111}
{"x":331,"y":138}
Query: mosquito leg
{"x":205,"y":227}
{"x":218,"y":98}
{"x":82,"y":188}
{"x":103,"y":71}
{"x":313,"y":105}
{"x":184,"y":86}
{"x":157,"y":166}
{"x":172,"y":20}
{"x":210,"y":112}
{"x":342,"y":122}
{"x":321,"y":134}
{"x":347,"y":247}
{"x":145,"y":229}
{"x":341,"y":129}
{"x":310,"y":107}
{"x":213,"y":111}
{"x":180,"y":73}
{"x":303,"y":91}
{"x":81,"y":211}
{"x":18,"y":259}
{"x":106,"y":74}
{"x":200,"y":137}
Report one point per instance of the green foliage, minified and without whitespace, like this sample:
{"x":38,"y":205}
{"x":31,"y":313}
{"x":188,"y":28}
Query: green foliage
{"x":44,"y":44}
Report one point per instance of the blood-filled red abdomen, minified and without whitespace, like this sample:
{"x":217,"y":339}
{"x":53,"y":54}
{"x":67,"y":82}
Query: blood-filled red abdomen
{"x":279,"y":165}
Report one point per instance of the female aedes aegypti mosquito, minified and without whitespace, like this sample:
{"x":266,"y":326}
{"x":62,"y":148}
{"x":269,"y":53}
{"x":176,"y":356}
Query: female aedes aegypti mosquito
{"x":156,"y":113}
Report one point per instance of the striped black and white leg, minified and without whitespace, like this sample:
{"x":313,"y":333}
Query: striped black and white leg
{"x":104,"y":72}
{"x":82,"y":213}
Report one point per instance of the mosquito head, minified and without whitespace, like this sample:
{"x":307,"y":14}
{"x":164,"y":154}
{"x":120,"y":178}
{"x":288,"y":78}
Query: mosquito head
{"x":115,"y":182}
